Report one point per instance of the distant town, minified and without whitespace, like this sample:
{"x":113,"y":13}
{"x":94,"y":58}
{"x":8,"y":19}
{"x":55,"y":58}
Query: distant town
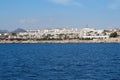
{"x":59,"y":34}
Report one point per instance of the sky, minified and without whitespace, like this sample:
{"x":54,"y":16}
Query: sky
{"x":37,"y":14}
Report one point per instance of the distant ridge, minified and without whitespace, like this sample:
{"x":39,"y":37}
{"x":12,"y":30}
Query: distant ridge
{"x":18,"y":30}
{"x":4,"y":31}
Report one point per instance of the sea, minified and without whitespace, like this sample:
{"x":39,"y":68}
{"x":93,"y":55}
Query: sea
{"x":67,"y":61}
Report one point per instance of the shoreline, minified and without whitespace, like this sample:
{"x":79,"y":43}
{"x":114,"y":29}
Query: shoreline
{"x":111,"y":40}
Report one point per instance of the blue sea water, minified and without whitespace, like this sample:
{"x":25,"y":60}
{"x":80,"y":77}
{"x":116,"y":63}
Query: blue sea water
{"x":60,"y":61}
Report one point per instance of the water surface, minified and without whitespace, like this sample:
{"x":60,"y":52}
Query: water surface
{"x":59,"y":61}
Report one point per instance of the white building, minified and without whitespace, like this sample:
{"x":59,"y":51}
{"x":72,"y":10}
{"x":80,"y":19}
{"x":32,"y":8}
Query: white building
{"x":65,"y":32}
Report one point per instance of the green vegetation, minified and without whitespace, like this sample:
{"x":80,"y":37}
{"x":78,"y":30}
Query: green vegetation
{"x":114,"y":34}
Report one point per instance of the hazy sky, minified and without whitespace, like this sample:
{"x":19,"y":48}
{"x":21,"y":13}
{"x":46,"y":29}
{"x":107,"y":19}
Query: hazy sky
{"x":35,"y":14}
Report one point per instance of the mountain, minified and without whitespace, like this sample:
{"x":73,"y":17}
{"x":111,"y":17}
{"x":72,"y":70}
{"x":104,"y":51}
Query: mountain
{"x":4,"y":31}
{"x":18,"y":30}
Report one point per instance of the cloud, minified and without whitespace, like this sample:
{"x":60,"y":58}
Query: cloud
{"x":61,"y":1}
{"x":115,"y":5}
{"x":77,"y":4}
{"x":45,"y":20}
{"x":67,"y":2}
{"x":29,"y":21}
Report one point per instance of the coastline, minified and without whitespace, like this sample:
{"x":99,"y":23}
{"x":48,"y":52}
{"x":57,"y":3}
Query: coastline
{"x":111,"y":40}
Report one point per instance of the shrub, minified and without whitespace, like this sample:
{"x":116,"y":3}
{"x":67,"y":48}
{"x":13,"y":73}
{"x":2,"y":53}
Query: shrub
{"x":113,"y":35}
